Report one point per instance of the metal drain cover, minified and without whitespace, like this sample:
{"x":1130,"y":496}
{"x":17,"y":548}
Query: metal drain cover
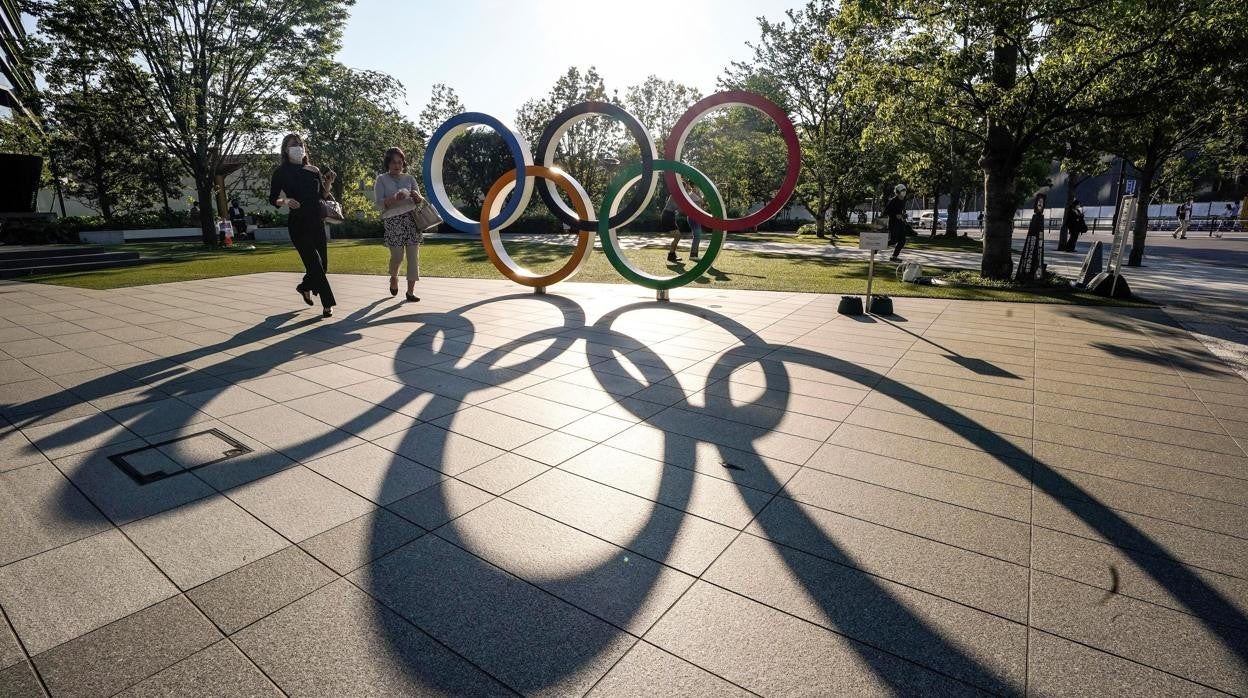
{"x":168,"y":458}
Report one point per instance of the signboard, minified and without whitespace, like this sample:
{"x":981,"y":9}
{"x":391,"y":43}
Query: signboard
{"x":1126,"y":221}
{"x":1093,"y":264}
{"x":1130,"y":189}
{"x":873,"y":241}
{"x":1029,"y":262}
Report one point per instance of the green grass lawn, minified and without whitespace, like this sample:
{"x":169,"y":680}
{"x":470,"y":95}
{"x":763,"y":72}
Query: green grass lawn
{"x":923,"y":241}
{"x":467,"y":259}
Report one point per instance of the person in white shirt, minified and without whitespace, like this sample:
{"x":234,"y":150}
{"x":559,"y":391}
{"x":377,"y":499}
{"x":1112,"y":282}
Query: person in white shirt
{"x":397,"y":197}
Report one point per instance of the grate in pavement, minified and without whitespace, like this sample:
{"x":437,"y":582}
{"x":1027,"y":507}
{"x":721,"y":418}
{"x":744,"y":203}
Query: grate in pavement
{"x":168,"y":458}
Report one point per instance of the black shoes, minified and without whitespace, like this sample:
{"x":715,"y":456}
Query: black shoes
{"x":307,"y":295}
{"x":394,"y":286}
{"x":413,"y":298}
{"x":671,"y":257}
{"x":328,"y":312}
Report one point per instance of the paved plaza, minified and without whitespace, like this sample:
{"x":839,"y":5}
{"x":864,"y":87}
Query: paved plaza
{"x":205,"y":489}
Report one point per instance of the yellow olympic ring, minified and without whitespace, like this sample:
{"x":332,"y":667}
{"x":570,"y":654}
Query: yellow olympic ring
{"x":490,"y":237}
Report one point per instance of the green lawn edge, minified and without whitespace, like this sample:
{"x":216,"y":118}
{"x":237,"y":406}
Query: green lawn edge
{"x":459,"y":258}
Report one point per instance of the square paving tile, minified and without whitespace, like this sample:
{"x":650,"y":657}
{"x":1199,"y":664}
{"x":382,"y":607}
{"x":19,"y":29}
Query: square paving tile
{"x":293,"y":434}
{"x":538,"y":642}
{"x":20,"y":681}
{"x":771,"y":653}
{"x":299,"y":503}
{"x":240,"y":598}
{"x":283,"y":387}
{"x":225,"y":401}
{"x":71,"y":590}
{"x":218,"y":670}
{"x":338,"y":641}
{"x":40,"y":510}
{"x":646,"y":666}
{"x":503,"y":473}
{"x":334,"y":375}
{"x":495,"y":429}
{"x":661,"y":533}
{"x":79,"y":435}
{"x":439,"y":449}
{"x":628,"y":590}
{"x":1148,"y":634}
{"x":356,"y":543}
{"x":376,"y":474}
{"x":127,"y":651}
{"x":202,"y":540}
{"x":353,"y":415}
{"x":10,"y":651}
{"x":436,"y":505}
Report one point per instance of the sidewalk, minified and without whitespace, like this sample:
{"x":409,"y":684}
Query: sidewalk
{"x":591,"y":493}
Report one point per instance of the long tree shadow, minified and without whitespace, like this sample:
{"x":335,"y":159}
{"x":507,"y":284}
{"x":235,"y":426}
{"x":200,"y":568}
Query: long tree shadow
{"x":475,"y":609}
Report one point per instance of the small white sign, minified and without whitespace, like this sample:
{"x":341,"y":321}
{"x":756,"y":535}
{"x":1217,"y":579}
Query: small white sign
{"x":873,"y":241}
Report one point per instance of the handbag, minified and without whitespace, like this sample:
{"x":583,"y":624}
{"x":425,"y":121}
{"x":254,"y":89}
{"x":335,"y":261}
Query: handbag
{"x":426,"y":216}
{"x":331,"y":211}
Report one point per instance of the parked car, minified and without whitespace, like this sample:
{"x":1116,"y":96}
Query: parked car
{"x":925,"y":219}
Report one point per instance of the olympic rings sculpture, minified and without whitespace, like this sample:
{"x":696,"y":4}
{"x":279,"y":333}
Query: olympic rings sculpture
{"x":509,"y":196}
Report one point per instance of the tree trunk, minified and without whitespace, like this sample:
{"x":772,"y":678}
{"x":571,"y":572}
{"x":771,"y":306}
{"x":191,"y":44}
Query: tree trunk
{"x":951,"y":225}
{"x":1000,"y":165}
{"x":1145,"y":191}
{"x":999,"y":199}
{"x":203,"y":188}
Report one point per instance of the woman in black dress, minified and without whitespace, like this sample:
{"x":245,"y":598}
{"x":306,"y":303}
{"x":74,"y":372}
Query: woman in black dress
{"x":299,"y":186}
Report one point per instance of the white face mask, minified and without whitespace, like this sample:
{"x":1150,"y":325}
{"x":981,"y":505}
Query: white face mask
{"x":295,"y":153}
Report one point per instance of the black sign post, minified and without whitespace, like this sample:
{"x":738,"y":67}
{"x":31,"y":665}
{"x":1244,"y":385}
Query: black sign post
{"x":1029,"y":262}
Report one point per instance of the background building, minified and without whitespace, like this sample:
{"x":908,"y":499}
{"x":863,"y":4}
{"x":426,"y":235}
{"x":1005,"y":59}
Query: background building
{"x":17,"y":81}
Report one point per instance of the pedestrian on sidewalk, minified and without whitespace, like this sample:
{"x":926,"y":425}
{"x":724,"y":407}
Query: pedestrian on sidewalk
{"x":1074,"y":224}
{"x":895,"y":210}
{"x":1184,"y":214}
{"x":1226,"y":223}
{"x":667,"y":221}
{"x":695,"y":228}
{"x":298,"y":186}
{"x":397,"y":196}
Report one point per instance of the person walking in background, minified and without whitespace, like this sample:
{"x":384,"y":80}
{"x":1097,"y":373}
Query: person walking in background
{"x":238,"y":218}
{"x":1074,"y":224}
{"x":397,"y":197}
{"x":1184,"y":214}
{"x":1226,"y":223}
{"x":695,"y":228}
{"x":895,"y":211}
{"x":298,"y":186}
{"x":667,"y":221}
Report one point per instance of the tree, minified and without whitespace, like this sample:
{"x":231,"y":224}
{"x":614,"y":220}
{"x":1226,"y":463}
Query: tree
{"x":583,"y":148}
{"x":1186,"y":115}
{"x":98,"y":139}
{"x":1029,"y":71}
{"x":217,"y":69}
{"x":737,"y":148}
{"x":659,"y":104}
{"x":350,"y":117}
{"x":799,"y":65}
{"x":443,"y":104}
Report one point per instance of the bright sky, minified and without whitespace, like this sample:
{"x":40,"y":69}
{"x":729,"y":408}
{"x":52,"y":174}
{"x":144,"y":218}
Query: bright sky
{"x":496,"y":55}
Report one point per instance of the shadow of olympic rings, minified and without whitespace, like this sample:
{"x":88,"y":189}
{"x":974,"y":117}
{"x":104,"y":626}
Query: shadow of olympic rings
{"x":498,"y":642}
